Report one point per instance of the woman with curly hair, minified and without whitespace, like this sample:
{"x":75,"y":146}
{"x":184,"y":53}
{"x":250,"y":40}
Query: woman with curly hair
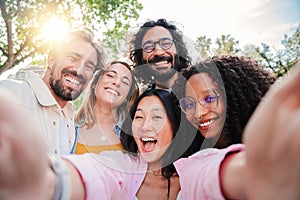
{"x":237,"y":172}
{"x":221,"y":94}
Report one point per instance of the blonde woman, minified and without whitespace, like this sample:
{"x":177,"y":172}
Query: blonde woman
{"x":100,"y":116}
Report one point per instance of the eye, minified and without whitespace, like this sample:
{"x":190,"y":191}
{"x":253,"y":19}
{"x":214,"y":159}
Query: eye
{"x":110,"y":75}
{"x":90,"y":67}
{"x":166,"y":42}
{"x":157,"y":117}
{"x":188,"y":103}
{"x":138,"y":116}
{"x":210,"y":98}
{"x":126,"y":82}
{"x":72,"y":58}
{"x":148,"y":45}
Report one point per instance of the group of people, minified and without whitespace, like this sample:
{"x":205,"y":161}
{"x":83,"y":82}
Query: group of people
{"x":181,"y":138}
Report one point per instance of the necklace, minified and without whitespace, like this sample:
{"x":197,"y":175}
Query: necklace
{"x":103,"y":137}
{"x":104,"y":133}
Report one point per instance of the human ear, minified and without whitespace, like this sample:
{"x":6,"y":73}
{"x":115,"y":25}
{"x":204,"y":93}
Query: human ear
{"x":51,"y":60}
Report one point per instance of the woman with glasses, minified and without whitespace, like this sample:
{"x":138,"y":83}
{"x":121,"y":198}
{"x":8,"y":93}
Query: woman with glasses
{"x":221,"y":94}
{"x":258,"y":171}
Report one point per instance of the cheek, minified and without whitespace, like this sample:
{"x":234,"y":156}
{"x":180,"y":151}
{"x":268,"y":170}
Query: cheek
{"x":190,"y":118}
{"x":89,"y":76}
{"x":134,"y":129}
{"x":172,"y":50}
{"x":146,"y":56}
{"x":125,"y":92}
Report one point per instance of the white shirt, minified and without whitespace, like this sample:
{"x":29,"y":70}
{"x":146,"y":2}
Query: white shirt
{"x":34,"y":96}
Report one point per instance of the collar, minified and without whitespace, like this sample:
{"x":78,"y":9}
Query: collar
{"x":41,"y":91}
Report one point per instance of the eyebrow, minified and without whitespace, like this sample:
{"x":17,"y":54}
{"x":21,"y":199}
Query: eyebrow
{"x":79,"y":55}
{"x":153,"y":109}
{"x":115,"y":72}
{"x":157,"y":109}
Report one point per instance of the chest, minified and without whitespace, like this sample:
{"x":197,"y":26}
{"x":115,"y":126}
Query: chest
{"x":156,"y":187}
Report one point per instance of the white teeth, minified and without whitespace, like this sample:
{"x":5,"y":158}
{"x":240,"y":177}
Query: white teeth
{"x":207,"y":123}
{"x":113,"y":92}
{"x":72,"y":80}
{"x":146,"y":139}
{"x":161,"y":63}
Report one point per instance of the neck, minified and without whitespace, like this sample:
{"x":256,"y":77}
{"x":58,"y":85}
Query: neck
{"x":155,"y":167}
{"x":105,"y":113}
{"x":169,"y":83}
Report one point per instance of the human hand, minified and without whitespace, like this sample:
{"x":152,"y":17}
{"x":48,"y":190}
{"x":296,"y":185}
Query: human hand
{"x":272,"y":138}
{"x":24,"y":165}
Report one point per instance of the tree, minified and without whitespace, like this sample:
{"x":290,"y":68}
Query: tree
{"x":226,"y":45}
{"x":23,"y":21}
{"x":277,"y":60}
{"x":203,"y":45}
{"x":283,"y":59}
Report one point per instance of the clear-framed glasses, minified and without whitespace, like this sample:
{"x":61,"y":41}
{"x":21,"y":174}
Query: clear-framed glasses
{"x":165,"y":43}
{"x":209,"y":101}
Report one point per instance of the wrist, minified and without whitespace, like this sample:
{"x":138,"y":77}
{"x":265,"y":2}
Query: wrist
{"x":60,"y":181}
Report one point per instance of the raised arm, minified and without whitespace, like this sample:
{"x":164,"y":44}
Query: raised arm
{"x":269,"y":168}
{"x":24,"y":165}
{"x":273,"y":142}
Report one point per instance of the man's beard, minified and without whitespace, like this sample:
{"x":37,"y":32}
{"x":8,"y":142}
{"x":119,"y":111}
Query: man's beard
{"x":61,"y":91}
{"x":164,"y":76}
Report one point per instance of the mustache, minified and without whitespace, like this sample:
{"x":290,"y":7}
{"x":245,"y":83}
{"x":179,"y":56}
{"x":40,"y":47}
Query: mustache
{"x":160,"y":58}
{"x":74,"y":73}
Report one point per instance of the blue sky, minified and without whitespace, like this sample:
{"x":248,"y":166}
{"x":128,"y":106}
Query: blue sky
{"x":249,"y":21}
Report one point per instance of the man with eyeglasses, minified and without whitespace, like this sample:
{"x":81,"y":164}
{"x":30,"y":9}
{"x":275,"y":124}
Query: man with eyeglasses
{"x":159,"y":53}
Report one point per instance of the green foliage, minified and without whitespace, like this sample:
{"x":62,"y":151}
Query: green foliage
{"x":203,"y":46}
{"x":277,"y":60}
{"x":282,"y":60}
{"x":226,"y":45}
{"x":23,"y":20}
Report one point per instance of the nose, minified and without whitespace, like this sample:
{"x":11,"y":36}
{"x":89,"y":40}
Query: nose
{"x":157,"y":48}
{"x":200,"y":111}
{"x":80,"y":67}
{"x":117,"y":81}
{"x":147,"y":125}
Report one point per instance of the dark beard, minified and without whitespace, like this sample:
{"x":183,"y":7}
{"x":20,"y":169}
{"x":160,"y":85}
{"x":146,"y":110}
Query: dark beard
{"x":62,"y":92}
{"x":165,"y":76}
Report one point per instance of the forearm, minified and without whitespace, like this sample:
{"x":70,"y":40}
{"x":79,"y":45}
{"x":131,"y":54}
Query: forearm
{"x":232,"y":176}
{"x":68,"y":184}
{"x":78,"y":190}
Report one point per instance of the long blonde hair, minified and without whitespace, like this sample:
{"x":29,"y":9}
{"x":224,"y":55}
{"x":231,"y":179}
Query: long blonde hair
{"x":86,"y":115}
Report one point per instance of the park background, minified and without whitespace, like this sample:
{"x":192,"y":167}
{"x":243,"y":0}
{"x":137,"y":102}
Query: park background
{"x":267,"y":30}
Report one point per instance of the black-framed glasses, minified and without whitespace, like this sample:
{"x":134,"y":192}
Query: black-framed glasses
{"x":165,"y":43}
{"x":208,"y":101}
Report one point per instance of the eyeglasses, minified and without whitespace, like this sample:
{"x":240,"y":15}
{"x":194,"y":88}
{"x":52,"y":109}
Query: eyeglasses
{"x":209,"y":101}
{"x":164,"y":43}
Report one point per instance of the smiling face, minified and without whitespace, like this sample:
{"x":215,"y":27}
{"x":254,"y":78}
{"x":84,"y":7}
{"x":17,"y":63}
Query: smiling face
{"x":208,"y":121}
{"x":114,"y":85}
{"x":71,"y":69}
{"x":160,"y":61}
{"x":151,"y":129}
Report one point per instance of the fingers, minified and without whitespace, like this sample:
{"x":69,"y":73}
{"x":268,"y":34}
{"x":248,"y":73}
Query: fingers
{"x":273,"y":142}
